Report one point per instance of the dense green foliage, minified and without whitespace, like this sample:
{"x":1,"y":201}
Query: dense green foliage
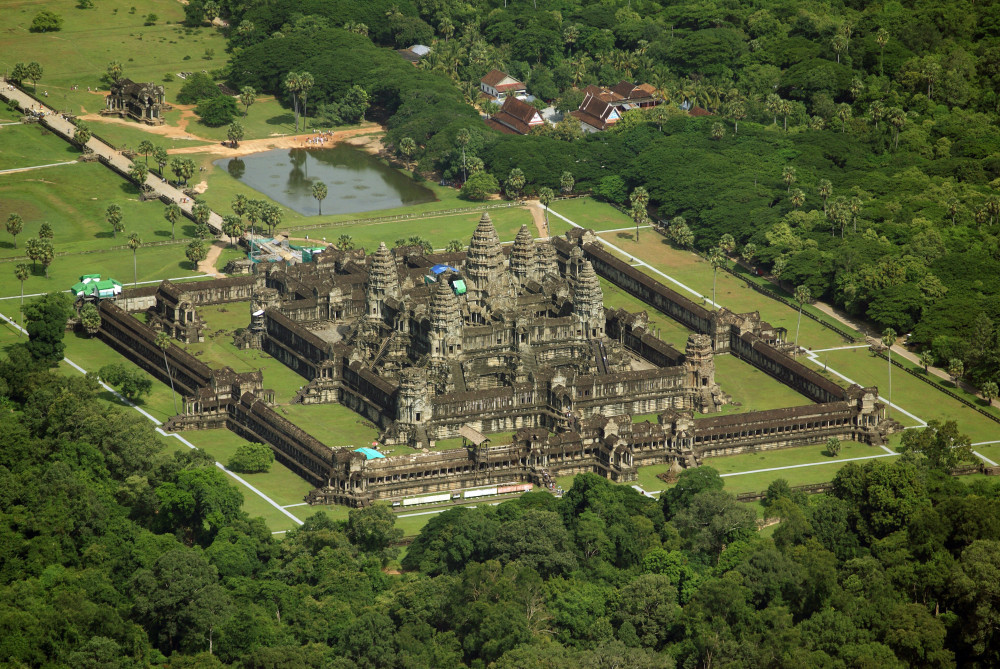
{"x":888,"y":114}
{"x":198,"y":87}
{"x":251,"y":458}
{"x":114,"y":552}
{"x":218,"y":111}
{"x":131,"y":382}
{"x":46,"y":317}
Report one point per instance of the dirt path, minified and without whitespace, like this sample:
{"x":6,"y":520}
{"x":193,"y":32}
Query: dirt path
{"x":538,"y":215}
{"x":169,"y":131}
{"x":207,"y":266}
{"x":249,"y":146}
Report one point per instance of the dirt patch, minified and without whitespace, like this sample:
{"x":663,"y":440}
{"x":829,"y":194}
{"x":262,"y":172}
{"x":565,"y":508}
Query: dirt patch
{"x":538,"y":215}
{"x":207,"y":266}
{"x":250,"y":146}
{"x":200,"y":187}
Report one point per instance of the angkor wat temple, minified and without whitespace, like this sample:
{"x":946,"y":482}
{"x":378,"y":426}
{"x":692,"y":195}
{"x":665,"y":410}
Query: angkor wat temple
{"x":496,"y":339}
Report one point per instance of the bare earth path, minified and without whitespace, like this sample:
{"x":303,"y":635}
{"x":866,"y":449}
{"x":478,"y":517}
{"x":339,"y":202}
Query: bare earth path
{"x":207,"y":266}
{"x":538,"y":215}
{"x":249,"y":146}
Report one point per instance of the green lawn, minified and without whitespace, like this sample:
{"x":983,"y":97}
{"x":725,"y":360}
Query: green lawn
{"x":668,"y":329}
{"x":73,"y":199}
{"x":696,"y":273}
{"x":589,"y":213}
{"x":91,"y":38}
{"x":31,"y":145}
{"x":911,"y":394}
{"x":751,"y":388}
{"x":333,"y":424}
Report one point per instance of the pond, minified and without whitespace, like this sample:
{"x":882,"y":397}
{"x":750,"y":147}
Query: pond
{"x":355,"y":180}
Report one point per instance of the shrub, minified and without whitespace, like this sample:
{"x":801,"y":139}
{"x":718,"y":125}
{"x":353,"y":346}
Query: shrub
{"x":479,"y":187}
{"x":46,"y":22}
{"x":251,"y":458}
{"x":216,"y":112}
{"x":130,"y":382}
{"x":198,"y":87}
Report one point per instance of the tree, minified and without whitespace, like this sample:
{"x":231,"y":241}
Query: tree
{"x":545,"y":196}
{"x":833,"y":447}
{"x":196,"y":252}
{"x":797,"y":197}
{"x":248,"y":95}
{"x":407,"y":147}
{"x":239,"y":204}
{"x":515,"y":183}
{"x":46,"y":254}
{"x":462,"y":138}
{"x":114,"y":71}
{"x":319,"y":192}
{"x":825,"y":189}
{"x":270,"y":215}
{"x":749,"y":252}
{"x":32,"y":251}
{"x":134,"y":243}
{"x":46,"y":317}
{"x":989,"y":391}
{"x":232,"y":227}
{"x":690,"y":482}
{"x":372,"y":529}
{"x":926,"y":359}
{"x":455,"y":246}
{"x":172,"y":213}
{"x":293,"y":84}
{"x":138,"y":173}
{"x":888,"y":340}
{"x":479,"y":187}
{"x":839,"y":44}
{"x":956,"y":368}
{"x":162,"y":342}
{"x":46,"y":22}
{"x":306,"y":82}
{"x":640,"y":201}
{"x":201,"y":213}
{"x":940,"y":443}
{"x":160,"y":157}
{"x":345,"y":243}
{"x":712,"y":520}
{"x":235,"y":134}
{"x":844,"y":113}
{"x":566,"y":183}
{"x":718,"y":131}
{"x":80,"y":137}
{"x":788,"y":176}
{"x":679,"y":233}
{"x":45,"y":231}
{"x":251,"y":458}
{"x":21,"y":273}
{"x":131,"y":383}
{"x":145,"y":148}
{"x":15,"y":224}
{"x":881,"y":38}
{"x":717,"y":258}
{"x":90,"y":318}
{"x":218,"y":111}
{"x":802,"y":296}
{"x":727,"y":243}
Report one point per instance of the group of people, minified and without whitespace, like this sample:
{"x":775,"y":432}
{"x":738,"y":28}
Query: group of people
{"x":321,"y":138}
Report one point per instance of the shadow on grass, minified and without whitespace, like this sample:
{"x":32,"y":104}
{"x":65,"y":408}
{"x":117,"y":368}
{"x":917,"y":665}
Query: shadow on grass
{"x":281,"y":119}
{"x":625,"y":235}
{"x":162,"y":233}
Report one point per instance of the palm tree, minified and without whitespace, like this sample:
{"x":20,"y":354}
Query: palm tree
{"x":515,"y":182}
{"x":319,"y":192}
{"x":294,"y":84}
{"x":145,"y":148}
{"x":954,"y":204}
{"x":134,"y":243}
{"x":160,"y":158}
{"x":407,"y":147}
{"x":989,"y":391}
{"x":162,"y":341}
{"x":876,"y":111}
{"x":718,"y":131}
{"x":926,"y":359}
{"x":825,"y":189}
{"x":113,"y":215}
{"x":15,"y":224}
{"x":802,"y":296}
{"x":897,"y":117}
{"x":844,"y":113}
{"x":239,"y":204}
{"x":455,"y":246}
{"x":749,"y":252}
{"x":172,"y":213}
{"x":889,"y":339}
{"x":716,"y":257}
{"x":545,"y":195}
{"x":881,"y":38}
{"x":345,"y":242}
{"x":788,"y":176}
{"x":232,"y":227}
{"x":248,"y":95}
{"x":839,"y":43}
{"x":21,"y":273}
{"x":566,"y":183}
{"x":639,"y":200}
{"x":306,"y":82}
{"x":797,"y":197}
{"x":462,"y":138}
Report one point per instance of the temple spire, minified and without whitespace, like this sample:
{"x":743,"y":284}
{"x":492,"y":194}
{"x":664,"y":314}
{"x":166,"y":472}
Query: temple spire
{"x":383,"y":281}
{"x":485,"y":262}
{"x":522,"y":257}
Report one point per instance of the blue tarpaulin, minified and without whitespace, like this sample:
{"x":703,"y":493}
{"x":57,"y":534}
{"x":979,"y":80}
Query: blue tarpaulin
{"x":438,"y":269}
{"x":369,"y":453}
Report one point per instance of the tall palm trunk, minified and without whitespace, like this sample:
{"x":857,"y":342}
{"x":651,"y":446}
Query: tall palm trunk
{"x":170,"y":376}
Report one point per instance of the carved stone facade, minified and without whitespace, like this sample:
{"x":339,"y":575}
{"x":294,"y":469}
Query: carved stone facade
{"x":140,"y":101}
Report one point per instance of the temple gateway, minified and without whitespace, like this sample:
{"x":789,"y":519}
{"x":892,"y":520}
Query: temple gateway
{"x":139,"y":101}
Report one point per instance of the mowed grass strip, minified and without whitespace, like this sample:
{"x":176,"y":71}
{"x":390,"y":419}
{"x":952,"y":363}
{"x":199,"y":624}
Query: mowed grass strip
{"x":589,"y":213}
{"x":732,"y":293}
{"x":753,"y":389}
{"x":30,"y":145}
{"x":909,"y":393}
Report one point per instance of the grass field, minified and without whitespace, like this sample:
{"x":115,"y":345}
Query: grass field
{"x":751,"y":388}
{"x":589,"y":213}
{"x":668,"y":329}
{"x":909,"y":393}
{"x":31,"y":145}
{"x":696,"y":273}
{"x":78,"y":54}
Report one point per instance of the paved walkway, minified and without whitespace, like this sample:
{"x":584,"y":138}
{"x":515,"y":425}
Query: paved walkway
{"x":56,"y":122}
{"x":37,"y":167}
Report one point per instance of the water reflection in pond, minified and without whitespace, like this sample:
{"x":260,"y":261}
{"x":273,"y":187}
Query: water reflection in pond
{"x":355,"y":180}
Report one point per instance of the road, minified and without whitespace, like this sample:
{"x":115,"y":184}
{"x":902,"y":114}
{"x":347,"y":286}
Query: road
{"x":57,"y":123}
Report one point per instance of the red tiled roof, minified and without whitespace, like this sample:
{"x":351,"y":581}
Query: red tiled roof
{"x":588,"y":119}
{"x":496,"y":125}
{"x":494,"y":77}
{"x":699,"y":111}
{"x":519,"y":109}
{"x":516,"y":86}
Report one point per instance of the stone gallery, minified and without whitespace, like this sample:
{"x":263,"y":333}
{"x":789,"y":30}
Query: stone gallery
{"x":499,"y":338}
